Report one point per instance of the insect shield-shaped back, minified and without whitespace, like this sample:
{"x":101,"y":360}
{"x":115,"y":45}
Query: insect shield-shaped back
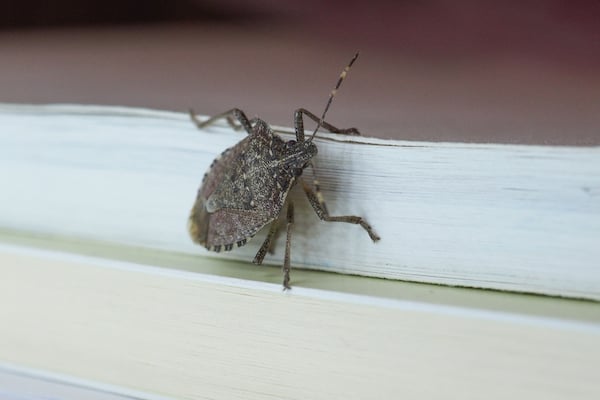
{"x":245,"y":188}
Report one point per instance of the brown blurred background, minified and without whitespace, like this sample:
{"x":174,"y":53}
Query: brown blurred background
{"x":478,"y":71}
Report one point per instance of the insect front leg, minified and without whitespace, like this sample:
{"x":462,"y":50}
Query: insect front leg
{"x":299,"y":125}
{"x":318,"y":204}
{"x":230,"y":116}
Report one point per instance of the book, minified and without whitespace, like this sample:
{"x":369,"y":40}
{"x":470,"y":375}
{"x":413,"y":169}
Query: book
{"x":103,"y":295}
{"x":115,"y":329}
{"x":505,"y":217}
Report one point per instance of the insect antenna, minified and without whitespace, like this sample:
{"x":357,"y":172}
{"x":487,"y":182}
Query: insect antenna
{"x":333,"y":93}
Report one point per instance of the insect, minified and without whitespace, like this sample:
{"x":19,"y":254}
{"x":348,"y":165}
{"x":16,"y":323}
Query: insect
{"x":246,"y":187}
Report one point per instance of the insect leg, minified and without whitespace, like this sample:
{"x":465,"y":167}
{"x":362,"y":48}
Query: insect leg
{"x":318,"y":204}
{"x":267,"y":244}
{"x":274,"y":241}
{"x":299,"y":125}
{"x":230,"y":116}
{"x":288,"y":242}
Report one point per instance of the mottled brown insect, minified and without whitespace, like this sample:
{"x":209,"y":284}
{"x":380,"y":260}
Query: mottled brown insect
{"x":246,"y":187}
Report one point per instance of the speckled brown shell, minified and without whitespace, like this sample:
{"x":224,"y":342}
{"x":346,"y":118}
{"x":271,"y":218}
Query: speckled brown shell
{"x":244,"y":189}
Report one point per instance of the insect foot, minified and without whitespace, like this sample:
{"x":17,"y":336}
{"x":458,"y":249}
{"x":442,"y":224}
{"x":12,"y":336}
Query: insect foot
{"x":246,"y":187}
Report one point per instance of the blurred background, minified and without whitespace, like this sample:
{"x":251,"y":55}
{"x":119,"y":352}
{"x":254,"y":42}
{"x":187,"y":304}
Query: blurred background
{"x":441,"y":70}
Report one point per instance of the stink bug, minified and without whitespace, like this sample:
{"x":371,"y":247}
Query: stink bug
{"x":246,"y":187}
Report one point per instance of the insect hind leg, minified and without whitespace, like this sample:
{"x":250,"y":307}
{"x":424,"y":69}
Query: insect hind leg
{"x":267,"y":245}
{"x":288,"y":245}
{"x":299,"y":125}
{"x":230,"y":116}
{"x":318,"y":204}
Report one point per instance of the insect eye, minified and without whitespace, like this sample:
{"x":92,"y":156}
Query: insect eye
{"x":298,"y":172}
{"x":290,"y":144}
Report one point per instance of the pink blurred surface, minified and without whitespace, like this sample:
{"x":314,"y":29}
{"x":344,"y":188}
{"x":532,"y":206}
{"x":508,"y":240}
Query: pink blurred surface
{"x":439,"y":71}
